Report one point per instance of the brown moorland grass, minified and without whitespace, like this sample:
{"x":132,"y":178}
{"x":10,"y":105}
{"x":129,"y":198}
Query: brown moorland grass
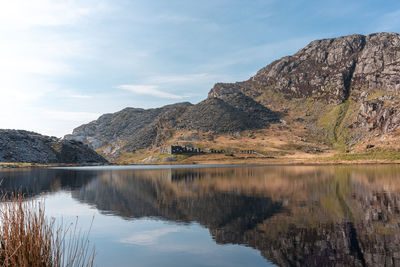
{"x":29,"y":238}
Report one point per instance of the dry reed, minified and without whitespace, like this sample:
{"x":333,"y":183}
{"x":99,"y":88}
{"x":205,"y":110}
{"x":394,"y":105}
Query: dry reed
{"x":29,"y":238}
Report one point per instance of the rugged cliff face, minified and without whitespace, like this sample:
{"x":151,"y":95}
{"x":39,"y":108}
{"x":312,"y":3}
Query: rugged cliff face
{"x":344,"y":86}
{"x":23,"y":146}
{"x":228,"y":114}
{"x":323,"y":69}
{"x":343,"y":92}
{"x":329,"y":69}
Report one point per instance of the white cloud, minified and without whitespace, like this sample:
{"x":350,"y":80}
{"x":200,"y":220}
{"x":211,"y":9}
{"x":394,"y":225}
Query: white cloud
{"x":149,"y":238}
{"x":159,"y":241}
{"x":149,"y":90}
{"x":72,"y":94}
{"x":79,"y":96}
{"x":25,"y":14}
{"x":185,"y":78}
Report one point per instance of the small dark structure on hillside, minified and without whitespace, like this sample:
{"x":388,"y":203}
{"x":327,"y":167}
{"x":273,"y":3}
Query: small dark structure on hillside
{"x":215,"y":151}
{"x":184,"y":150}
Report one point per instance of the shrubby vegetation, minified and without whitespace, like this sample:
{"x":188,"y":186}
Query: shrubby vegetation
{"x":29,"y":238}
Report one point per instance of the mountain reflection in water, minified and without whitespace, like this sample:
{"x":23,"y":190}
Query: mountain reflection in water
{"x":294,"y":215}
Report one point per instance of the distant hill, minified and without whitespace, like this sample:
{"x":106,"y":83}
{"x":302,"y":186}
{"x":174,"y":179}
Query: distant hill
{"x":133,"y":129}
{"x":129,"y":129}
{"x":339,"y":93}
{"x":29,"y":147}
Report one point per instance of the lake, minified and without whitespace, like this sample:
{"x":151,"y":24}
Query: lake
{"x":226,"y":215}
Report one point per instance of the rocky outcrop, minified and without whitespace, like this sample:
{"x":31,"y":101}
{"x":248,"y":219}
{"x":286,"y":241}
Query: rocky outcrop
{"x":328,"y":69}
{"x":129,"y":129}
{"x":322,"y":69}
{"x":378,"y":64}
{"x":122,"y":125}
{"x":30,"y":147}
{"x":228,"y":114}
{"x":374,"y":114}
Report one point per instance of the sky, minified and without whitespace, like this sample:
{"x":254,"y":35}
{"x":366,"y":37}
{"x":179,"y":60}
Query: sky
{"x":66,"y":62}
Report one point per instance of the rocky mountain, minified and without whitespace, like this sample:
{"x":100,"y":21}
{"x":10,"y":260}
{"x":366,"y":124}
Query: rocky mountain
{"x":329,"y":69}
{"x":342,"y":91}
{"x":22,"y":146}
{"x":133,"y":129}
{"x":129,"y":129}
{"x":350,"y":82}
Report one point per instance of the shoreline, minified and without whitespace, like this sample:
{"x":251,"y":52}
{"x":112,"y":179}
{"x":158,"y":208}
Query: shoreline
{"x":252,"y":162}
{"x":21,"y":165}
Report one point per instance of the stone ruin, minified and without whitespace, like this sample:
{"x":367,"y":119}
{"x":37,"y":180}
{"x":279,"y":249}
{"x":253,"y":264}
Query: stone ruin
{"x":183,"y":150}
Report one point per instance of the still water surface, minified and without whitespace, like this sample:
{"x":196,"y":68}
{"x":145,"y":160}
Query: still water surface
{"x":227,"y":216}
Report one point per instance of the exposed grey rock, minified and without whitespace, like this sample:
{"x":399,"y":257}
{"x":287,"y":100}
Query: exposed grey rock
{"x":170,"y":159}
{"x":374,"y":115}
{"x":322,"y":69}
{"x":228,"y":114}
{"x":328,"y":69}
{"x":30,"y":147}
{"x":284,"y":122}
{"x":150,"y":159}
{"x":378,"y":65}
{"x":130,"y":129}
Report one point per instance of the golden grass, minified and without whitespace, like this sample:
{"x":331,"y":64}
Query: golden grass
{"x":29,"y":238}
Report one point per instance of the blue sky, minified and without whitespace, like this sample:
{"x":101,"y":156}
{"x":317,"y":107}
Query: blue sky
{"x":65,"y":62}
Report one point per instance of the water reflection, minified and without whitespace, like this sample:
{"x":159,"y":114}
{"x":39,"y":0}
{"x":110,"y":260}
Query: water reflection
{"x":295,"y":216}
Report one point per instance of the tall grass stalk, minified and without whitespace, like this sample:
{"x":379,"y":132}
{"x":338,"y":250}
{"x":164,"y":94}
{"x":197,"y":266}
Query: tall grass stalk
{"x":29,"y":238}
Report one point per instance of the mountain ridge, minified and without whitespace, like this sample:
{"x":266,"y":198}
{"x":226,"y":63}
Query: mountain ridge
{"x":343,"y":92}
